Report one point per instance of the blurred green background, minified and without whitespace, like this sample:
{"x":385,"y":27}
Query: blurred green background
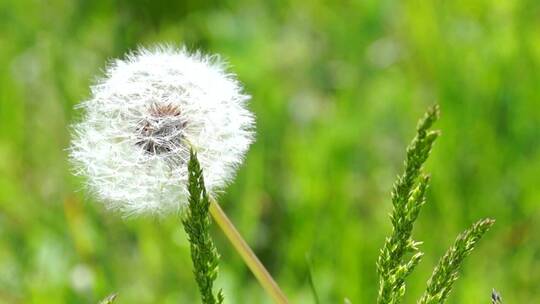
{"x":337,"y":88}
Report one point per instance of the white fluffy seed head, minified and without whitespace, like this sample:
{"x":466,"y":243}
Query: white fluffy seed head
{"x":133,"y":141}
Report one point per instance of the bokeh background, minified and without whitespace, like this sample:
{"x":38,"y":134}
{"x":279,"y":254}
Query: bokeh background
{"x":337,"y":88}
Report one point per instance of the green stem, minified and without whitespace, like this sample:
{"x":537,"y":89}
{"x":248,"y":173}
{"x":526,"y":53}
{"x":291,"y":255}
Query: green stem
{"x":246,"y":253}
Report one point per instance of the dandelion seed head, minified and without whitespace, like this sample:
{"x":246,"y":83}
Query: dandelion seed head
{"x":141,"y":120}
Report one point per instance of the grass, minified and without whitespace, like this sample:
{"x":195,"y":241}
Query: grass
{"x":336,"y":87}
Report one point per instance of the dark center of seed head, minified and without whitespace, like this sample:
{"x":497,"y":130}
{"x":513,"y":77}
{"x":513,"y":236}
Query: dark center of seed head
{"x":161,"y":131}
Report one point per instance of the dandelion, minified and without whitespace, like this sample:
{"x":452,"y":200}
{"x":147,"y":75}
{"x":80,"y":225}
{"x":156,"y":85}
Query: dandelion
{"x":141,"y":129}
{"x":138,"y":127}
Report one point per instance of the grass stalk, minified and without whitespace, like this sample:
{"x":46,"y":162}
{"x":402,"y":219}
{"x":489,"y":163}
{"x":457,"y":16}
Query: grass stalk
{"x":251,"y":260}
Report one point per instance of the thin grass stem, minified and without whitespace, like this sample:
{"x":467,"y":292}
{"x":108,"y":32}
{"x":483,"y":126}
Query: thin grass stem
{"x":256,"y":267}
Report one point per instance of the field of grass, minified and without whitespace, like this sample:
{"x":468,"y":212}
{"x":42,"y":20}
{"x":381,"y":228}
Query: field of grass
{"x":337,"y":88}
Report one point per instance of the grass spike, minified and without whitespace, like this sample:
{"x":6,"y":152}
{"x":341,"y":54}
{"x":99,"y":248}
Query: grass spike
{"x":408,"y":196}
{"x":197,"y":226}
{"x":447,"y":271}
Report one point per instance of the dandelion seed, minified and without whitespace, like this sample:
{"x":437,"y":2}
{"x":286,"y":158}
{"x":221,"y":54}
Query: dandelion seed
{"x":137,"y":129}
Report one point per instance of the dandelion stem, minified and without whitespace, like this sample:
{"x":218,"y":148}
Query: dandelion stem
{"x":260,"y":272}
